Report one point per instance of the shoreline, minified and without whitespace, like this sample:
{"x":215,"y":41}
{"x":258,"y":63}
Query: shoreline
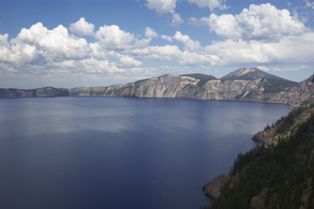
{"x":165,"y":98}
{"x":269,"y":137}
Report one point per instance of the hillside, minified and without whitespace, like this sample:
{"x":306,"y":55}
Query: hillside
{"x":40,"y":92}
{"x":247,"y":84}
{"x":279,"y":175}
{"x":271,"y":83}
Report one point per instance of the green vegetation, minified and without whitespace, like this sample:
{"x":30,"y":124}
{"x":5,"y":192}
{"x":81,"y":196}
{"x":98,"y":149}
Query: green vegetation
{"x":276,"y":177}
{"x":284,"y":123}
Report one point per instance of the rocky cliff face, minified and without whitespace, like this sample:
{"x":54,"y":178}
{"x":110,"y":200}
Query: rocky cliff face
{"x":302,"y":93}
{"x":261,"y":87}
{"x":181,"y":87}
{"x":249,"y":84}
{"x":95,"y":91}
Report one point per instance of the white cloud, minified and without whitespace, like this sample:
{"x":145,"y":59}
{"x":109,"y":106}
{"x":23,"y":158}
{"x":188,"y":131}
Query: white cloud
{"x":285,"y":69}
{"x":210,"y":4}
{"x":39,"y":44}
{"x":128,"y":61}
{"x":162,"y":6}
{"x":150,"y":33}
{"x":176,"y":19}
{"x":166,"y":7}
{"x":187,"y":41}
{"x":82,"y":27}
{"x":5,"y":52}
{"x":166,"y":38}
{"x":4,"y":39}
{"x":57,"y":40}
{"x":175,"y":56}
{"x":58,"y":52}
{"x":225,"y":25}
{"x":112,"y":37}
{"x":166,"y":52}
{"x":258,"y":22}
{"x":290,"y":49}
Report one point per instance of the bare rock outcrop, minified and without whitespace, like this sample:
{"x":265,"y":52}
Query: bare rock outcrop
{"x":247,"y":84}
{"x":213,"y":188}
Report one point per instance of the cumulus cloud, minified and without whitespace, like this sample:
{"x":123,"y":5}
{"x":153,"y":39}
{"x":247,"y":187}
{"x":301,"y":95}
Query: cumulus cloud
{"x":166,"y":7}
{"x":38,"y":43}
{"x":39,"y":50}
{"x":176,"y":56}
{"x":290,"y":49}
{"x":166,"y":38}
{"x":162,"y":6}
{"x":210,"y":4}
{"x":186,"y":41}
{"x":150,"y":33}
{"x":225,"y":25}
{"x":258,"y":22}
{"x":130,"y":61}
{"x":82,"y":27}
{"x":112,"y":51}
{"x":113,"y":37}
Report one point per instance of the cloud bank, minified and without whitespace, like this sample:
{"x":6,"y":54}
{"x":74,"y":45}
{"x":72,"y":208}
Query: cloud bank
{"x":258,"y":35}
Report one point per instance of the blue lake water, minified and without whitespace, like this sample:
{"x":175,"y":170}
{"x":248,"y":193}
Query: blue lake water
{"x":120,"y":153}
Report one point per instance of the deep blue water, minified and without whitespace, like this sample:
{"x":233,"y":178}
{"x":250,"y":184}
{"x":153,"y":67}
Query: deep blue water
{"x":120,"y":153}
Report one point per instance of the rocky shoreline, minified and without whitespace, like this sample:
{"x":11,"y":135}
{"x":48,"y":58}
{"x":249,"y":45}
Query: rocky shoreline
{"x":277,"y":134}
{"x":213,"y":188}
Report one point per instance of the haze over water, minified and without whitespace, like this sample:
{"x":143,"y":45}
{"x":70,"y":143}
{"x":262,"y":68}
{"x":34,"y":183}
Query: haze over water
{"x":120,"y":153}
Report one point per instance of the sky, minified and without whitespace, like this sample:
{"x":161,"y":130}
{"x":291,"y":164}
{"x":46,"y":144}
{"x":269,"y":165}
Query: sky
{"x":71,"y":43}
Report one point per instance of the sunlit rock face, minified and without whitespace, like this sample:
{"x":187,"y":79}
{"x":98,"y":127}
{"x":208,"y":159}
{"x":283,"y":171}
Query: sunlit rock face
{"x":249,"y":84}
{"x":95,"y":91}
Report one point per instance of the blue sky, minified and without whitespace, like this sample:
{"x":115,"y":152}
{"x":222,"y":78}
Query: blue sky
{"x":92,"y":42}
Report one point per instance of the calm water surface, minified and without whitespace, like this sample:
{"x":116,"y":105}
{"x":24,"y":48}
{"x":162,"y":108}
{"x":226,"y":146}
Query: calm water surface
{"x":120,"y":153}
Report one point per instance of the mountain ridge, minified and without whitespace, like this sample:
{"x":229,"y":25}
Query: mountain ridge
{"x":256,"y":85}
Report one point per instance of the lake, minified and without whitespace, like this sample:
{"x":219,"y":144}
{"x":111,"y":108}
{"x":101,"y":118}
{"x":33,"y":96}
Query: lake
{"x":120,"y":153}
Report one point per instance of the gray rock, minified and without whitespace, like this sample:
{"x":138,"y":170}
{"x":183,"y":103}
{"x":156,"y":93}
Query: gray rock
{"x":248,"y":84}
{"x":214,"y":187}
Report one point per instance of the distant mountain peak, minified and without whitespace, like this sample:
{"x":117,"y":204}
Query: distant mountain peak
{"x":271,"y":83}
{"x":246,"y":70}
{"x":249,"y":73}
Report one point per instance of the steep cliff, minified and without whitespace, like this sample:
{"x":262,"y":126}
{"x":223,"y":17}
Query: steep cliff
{"x":296,"y":95}
{"x":95,"y":91}
{"x":250,"y":84}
